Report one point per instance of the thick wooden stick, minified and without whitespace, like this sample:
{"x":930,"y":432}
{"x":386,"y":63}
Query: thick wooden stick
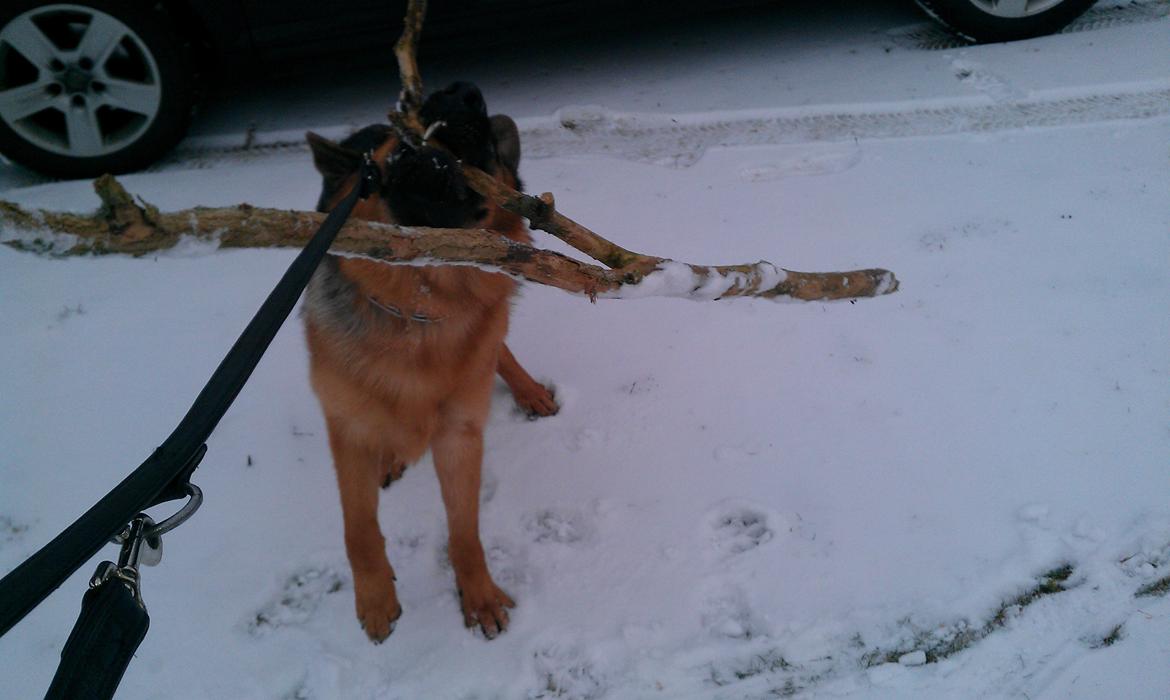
{"x":757,"y":279}
{"x":123,"y":226}
{"x":542,"y":214}
{"x":406,"y":51}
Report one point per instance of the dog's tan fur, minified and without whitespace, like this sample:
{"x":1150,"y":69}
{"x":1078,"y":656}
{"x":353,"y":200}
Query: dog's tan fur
{"x":390,"y":387}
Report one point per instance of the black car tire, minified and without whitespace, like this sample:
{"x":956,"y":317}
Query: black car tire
{"x":157,"y":42}
{"x":973,"y":19}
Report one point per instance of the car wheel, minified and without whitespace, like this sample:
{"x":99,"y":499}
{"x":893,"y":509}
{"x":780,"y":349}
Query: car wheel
{"x":90,"y":87}
{"x":1004,"y":20}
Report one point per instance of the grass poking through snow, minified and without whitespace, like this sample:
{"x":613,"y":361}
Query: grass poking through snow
{"x":940,"y":643}
{"x":1158,"y":588}
{"x":1110,"y":639}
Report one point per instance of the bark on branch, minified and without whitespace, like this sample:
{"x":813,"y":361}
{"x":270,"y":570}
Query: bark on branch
{"x":406,"y":50}
{"x":123,"y":226}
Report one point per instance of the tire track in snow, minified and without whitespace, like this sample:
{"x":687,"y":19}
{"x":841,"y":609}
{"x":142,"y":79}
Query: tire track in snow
{"x":680,"y":140}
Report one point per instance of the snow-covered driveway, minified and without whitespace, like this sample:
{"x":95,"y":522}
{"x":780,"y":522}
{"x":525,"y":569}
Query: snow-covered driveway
{"x":960,"y":490}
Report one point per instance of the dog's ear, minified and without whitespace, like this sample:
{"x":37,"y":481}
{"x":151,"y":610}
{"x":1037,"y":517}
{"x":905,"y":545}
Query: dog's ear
{"x":332,"y":160}
{"x":507,"y":142}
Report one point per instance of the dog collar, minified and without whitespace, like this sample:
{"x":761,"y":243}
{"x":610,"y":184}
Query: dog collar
{"x":396,"y":312}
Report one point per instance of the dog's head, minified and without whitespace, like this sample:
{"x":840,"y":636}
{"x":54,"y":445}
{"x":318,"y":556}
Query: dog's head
{"x":424,"y":186}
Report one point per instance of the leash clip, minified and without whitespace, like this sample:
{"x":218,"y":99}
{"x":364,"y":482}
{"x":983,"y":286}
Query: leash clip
{"x":194,"y":500}
{"x":138,"y":548}
{"x":141,"y":540}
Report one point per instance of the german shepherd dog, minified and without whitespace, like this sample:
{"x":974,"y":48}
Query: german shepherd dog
{"x":403,"y":358}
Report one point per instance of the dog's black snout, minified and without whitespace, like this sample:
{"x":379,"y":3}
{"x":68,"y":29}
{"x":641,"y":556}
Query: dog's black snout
{"x":474,"y":100}
{"x":424,"y":187}
{"x":466,"y":129}
{"x":467,"y":95}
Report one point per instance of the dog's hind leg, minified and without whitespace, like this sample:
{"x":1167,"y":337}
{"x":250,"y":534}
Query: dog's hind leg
{"x":358,"y":477}
{"x":458,"y":452}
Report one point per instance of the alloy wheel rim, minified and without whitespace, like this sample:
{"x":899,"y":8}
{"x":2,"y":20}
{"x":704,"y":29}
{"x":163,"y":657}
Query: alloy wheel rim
{"x":1015,"y":9}
{"x":76,"y":81}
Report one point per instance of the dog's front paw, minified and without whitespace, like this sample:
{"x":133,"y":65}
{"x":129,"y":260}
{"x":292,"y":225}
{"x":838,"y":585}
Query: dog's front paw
{"x":425,"y":187}
{"x":377,"y":605}
{"x":535,"y":400}
{"x":485,"y":606}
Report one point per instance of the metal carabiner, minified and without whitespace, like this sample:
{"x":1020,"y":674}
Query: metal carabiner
{"x":194,"y":500}
{"x":145,"y":540}
{"x":136,"y":550}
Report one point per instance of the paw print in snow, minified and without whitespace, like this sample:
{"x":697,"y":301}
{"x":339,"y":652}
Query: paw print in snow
{"x":726,"y":613}
{"x":584,"y":439}
{"x":508,"y":564}
{"x":408,"y":544}
{"x":566,"y":672}
{"x":11,"y":530}
{"x":561,"y":527}
{"x":739,"y":530}
{"x":300,"y":598}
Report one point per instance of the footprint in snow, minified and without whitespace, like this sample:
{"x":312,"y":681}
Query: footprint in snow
{"x":979,"y":78}
{"x":584,"y":439}
{"x":803,"y":161}
{"x":1034,"y":514}
{"x":941,"y":240}
{"x":298,"y":600}
{"x":739,"y":529}
{"x":408,"y":544}
{"x":10,"y":530}
{"x":568,"y":527}
{"x":725,"y":613}
{"x":507,"y":562}
{"x":566,"y":672}
{"x":1149,"y":563}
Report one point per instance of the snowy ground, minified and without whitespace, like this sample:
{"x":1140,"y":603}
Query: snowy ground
{"x":738,"y":499}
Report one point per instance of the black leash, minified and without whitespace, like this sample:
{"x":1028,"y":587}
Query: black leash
{"x":113,"y":619}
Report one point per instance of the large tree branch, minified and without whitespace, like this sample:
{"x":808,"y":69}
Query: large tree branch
{"x":124,"y":226}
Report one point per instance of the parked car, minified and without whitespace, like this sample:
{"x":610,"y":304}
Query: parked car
{"x":94,"y":86}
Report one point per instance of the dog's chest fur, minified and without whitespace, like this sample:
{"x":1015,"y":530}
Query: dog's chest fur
{"x":407,"y":335}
